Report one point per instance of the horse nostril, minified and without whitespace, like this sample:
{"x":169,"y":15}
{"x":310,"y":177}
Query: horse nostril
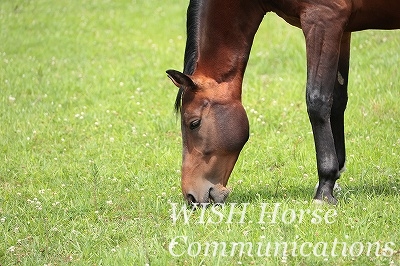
{"x":190,"y":198}
{"x":218,"y":194}
{"x":211,"y":198}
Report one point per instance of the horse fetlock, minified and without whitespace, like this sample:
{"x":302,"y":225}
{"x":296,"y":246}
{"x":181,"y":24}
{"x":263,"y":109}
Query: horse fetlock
{"x":324,"y":192}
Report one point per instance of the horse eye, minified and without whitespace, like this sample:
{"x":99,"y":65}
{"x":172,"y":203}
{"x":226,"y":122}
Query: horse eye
{"x":194,"y":124}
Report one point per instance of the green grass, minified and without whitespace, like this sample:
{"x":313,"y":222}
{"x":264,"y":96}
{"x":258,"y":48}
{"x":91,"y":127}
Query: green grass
{"x":90,"y":145}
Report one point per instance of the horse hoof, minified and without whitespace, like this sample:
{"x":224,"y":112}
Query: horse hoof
{"x":325,"y":194}
{"x":330,"y":201}
{"x":318,"y":202}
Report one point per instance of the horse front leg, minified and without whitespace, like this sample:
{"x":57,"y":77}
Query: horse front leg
{"x":340,"y":100}
{"x":323,"y":46}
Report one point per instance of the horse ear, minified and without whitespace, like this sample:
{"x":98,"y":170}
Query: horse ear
{"x":180,"y":79}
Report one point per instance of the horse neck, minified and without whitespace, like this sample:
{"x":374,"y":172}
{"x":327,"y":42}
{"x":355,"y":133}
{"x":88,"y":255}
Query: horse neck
{"x":225,"y":36}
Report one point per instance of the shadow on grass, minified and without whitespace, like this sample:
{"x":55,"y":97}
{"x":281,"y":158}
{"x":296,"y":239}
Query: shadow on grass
{"x":305,"y":192}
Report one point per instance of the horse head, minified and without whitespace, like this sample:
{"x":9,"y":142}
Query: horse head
{"x":214,"y":128}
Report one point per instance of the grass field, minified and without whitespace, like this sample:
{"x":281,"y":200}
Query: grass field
{"x":90,"y":145}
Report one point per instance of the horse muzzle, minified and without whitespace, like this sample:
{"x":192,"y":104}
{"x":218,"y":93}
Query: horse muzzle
{"x":210,"y":194}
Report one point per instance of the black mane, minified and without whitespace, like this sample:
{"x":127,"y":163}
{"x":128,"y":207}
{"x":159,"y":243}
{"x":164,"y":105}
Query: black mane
{"x":192,"y":28}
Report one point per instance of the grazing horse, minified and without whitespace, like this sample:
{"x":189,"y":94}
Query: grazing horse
{"x":214,"y":123}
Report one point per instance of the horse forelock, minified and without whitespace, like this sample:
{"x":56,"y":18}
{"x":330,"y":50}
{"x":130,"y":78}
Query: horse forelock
{"x":191,"y":49}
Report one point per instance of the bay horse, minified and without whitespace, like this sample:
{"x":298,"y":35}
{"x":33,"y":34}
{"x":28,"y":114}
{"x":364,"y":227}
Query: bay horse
{"x":214,"y":124}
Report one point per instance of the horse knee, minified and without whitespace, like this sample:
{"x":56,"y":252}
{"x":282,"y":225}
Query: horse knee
{"x":318,"y":108}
